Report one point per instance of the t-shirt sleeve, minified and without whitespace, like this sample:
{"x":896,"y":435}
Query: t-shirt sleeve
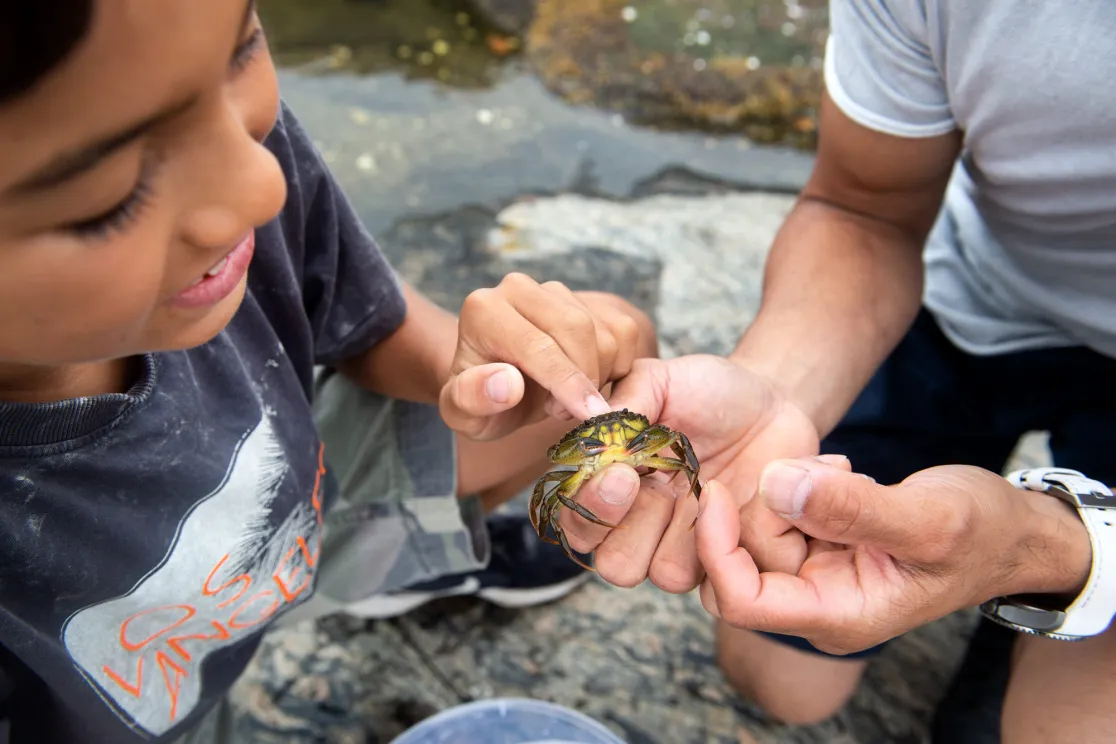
{"x":880,"y":69}
{"x":351,"y":294}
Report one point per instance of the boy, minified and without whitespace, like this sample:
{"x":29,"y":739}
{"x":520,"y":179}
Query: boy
{"x":175,"y":264}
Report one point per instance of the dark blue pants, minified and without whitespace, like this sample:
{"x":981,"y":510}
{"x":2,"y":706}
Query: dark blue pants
{"x":933,"y":404}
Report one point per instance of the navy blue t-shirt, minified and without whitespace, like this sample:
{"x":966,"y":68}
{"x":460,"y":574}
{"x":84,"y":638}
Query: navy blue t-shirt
{"x":147,"y":538}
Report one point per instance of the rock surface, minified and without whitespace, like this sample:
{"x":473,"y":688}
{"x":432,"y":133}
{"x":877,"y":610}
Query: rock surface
{"x":711,"y":250}
{"x":638,"y":660}
{"x":404,"y":148}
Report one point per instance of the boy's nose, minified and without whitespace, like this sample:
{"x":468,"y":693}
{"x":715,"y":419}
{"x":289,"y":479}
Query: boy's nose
{"x":248,"y":193}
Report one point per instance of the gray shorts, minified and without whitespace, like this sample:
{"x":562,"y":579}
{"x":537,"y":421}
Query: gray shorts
{"x":397,"y":520}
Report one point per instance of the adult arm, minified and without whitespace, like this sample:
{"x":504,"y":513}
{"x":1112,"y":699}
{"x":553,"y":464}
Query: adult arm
{"x":844,"y":278}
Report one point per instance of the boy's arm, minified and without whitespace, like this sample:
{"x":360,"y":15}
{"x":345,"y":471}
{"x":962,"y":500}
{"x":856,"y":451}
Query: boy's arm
{"x":413,"y":362}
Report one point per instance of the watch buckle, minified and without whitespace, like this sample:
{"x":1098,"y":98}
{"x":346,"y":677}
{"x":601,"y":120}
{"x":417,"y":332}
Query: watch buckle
{"x":1069,"y":485}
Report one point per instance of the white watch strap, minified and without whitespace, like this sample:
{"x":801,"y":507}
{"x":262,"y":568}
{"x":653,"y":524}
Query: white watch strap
{"x":1093,"y":610}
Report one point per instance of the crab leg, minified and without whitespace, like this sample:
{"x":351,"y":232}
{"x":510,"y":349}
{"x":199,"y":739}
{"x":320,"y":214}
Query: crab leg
{"x":659,"y":437}
{"x":544,"y":510}
{"x":561,"y":533}
{"x":539,"y":500}
{"x":544,"y":506}
{"x":570,"y":483}
{"x":568,"y":502}
{"x":569,"y":551}
{"x":681,"y":445}
{"x":658,"y":462}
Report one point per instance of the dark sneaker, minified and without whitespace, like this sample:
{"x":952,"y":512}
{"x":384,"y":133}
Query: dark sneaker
{"x":523,"y":571}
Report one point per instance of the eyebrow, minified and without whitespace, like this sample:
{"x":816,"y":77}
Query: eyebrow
{"x":82,"y":159}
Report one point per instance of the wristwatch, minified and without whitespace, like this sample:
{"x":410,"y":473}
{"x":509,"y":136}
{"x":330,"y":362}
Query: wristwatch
{"x":1095,"y":607}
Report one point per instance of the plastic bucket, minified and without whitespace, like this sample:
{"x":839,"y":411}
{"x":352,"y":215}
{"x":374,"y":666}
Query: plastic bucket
{"x":508,"y":721}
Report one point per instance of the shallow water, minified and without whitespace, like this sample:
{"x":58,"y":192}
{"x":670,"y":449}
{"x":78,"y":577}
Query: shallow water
{"x":441,"y":40}
{"x":406,"y":140}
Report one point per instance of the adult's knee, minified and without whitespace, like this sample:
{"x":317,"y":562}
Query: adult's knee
{"x":793,"y":686}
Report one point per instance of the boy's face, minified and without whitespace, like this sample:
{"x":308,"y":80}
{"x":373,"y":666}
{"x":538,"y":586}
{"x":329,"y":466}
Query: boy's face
{"x":133,"y":169}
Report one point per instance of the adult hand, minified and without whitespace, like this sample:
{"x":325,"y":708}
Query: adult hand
{"x":527,"y":350}
{"x":736,"y":421}
{"x":878,"y":561}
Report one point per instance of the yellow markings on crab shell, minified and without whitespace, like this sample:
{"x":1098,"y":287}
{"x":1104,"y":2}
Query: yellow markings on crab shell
{"x":617,"y":434}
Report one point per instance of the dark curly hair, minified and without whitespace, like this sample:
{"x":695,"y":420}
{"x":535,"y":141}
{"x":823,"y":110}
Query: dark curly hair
{"x":35,"y":37}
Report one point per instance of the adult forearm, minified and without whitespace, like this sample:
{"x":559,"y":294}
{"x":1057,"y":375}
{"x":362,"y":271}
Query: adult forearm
{"x":840,"y":290}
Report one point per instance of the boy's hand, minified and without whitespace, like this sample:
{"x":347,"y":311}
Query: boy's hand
{"x":569,"y":345}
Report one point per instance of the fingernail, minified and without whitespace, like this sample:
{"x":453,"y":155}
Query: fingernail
{"x":832,"y":459}
{"x":498,"y":387}
{"x":784,"y":488}
{"x":862,"y":475}
{"x":619,"y":485}
{"x":597,"y":405}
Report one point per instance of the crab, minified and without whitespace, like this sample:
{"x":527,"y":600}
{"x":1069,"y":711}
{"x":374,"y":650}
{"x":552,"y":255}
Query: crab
{"x":616,"y":436}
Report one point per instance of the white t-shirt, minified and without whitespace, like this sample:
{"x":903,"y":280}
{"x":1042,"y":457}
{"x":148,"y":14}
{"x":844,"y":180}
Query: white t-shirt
{"x":1023,"y":254}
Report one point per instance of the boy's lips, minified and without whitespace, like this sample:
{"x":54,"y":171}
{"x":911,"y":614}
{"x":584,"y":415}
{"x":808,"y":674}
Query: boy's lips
{"x":219,"y":282}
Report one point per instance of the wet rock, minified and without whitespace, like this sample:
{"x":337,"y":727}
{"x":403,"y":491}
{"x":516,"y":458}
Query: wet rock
{"x":694,"y":263}
{"x":738,"y":65}
{"x":508,"y":16}
{"x":337,"y":680}
{"x":404,"y":149}
{"x":448,"y":256}
{"x":712,"y":250}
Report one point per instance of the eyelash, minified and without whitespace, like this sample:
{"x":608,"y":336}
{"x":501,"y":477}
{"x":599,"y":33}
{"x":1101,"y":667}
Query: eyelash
{"x":119,"y":217}
{"x":246,"y":52}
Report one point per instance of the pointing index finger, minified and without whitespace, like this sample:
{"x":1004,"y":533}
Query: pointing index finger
{"x":544,"y":361}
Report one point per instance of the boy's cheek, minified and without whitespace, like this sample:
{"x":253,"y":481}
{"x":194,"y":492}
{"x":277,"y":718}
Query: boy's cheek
{"x":77,"y":305}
